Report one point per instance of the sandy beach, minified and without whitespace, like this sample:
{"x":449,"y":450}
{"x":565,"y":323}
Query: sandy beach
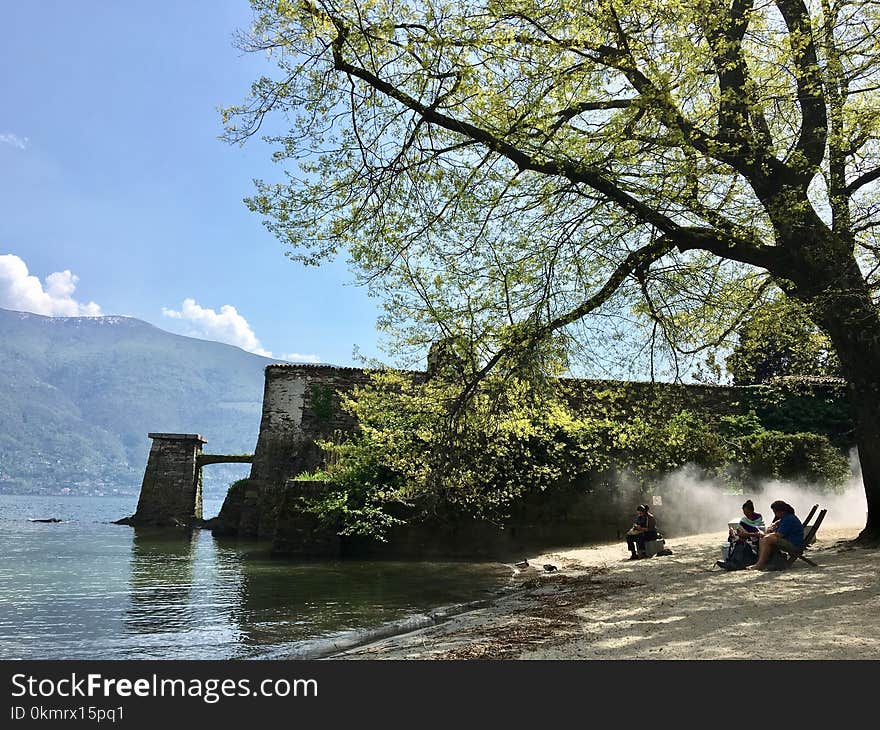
{"x":598,"y":605}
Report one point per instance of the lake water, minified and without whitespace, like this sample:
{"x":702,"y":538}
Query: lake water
{"x":87,"y":589}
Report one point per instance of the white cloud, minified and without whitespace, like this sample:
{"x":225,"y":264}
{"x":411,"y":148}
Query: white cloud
{"x":23,"y":292}
{"x":14,"y":140}
{"x":296,"y":357}
{"x":227,"y":325}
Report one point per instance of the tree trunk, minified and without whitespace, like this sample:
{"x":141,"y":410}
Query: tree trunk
{"x":842,"y":306}
{"x":862,"y":371}
{"x":869,"y":456}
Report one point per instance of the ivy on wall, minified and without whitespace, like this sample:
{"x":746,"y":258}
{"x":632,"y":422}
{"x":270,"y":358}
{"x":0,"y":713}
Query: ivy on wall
{"x":410,"y":460}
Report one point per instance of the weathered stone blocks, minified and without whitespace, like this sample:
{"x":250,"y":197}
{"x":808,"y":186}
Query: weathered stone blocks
{"x":171,"y":493}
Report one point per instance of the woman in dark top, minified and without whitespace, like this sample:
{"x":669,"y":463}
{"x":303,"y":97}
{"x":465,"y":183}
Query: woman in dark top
{"x":643,"y":529}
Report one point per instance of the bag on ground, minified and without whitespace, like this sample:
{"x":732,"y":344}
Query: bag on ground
{"x":739,"y":557}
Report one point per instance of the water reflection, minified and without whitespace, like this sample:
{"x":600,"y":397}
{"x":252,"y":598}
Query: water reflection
{"x":284,"y":603}
{"x":160,"y":581}
{"x":92,"y":590}
{"x":61,"y":586}
{"x":190,"y":595}
{"x":182,"y":595}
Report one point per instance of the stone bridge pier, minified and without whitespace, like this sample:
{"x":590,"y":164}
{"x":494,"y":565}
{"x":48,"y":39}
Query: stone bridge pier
{"x":171,"y":493}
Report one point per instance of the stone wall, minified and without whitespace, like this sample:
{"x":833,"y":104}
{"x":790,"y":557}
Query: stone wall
{"x":299,"y":534}
{"x":301,"y":404}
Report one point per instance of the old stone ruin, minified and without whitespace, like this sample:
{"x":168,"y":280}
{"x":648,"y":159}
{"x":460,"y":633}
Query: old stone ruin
{"x":301,"y":406}
{"x":171,"y":492}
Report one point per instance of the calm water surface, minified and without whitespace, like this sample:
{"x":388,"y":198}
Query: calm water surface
{"x":87,"y":589}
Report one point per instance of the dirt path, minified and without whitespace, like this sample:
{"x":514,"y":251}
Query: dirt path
{"x":600,"y":606}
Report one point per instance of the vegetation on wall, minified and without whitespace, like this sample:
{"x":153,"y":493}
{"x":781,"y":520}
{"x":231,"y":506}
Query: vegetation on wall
{"x":322,"y":402}
{"x":411,"y":461}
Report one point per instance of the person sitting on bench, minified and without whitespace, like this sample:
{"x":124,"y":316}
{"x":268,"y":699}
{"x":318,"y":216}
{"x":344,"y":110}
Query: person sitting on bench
{"x":786,"y":533}
{"x":643,"y":529}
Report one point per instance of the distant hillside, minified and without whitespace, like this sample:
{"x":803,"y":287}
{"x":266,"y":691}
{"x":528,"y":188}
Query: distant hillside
{"x":80,"y":394}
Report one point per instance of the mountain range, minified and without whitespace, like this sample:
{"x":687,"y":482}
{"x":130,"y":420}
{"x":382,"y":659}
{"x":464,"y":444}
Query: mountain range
{"x":78,"y":396}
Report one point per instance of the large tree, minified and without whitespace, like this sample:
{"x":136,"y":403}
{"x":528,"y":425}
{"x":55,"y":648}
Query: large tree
{"x":516,"y":170}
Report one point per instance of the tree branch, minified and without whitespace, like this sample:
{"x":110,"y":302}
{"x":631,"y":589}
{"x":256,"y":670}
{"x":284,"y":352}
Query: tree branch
{"x":639,"y":259}
{"x":725,"y":31}
{"x":863,"y":180}
{"x":696,"y":238}
{"x":814,"y":119}
{"x":523,"y":160}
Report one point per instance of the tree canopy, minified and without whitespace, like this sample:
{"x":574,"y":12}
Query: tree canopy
{"x":524,"y":172}
{"x":778,"y":339}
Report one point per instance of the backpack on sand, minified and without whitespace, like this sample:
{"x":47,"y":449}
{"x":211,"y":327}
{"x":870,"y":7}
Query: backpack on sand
{"x":739,"y":557}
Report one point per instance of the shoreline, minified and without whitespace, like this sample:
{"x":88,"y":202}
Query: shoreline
{"x":599,"y":605}
{"x":330,"y":646}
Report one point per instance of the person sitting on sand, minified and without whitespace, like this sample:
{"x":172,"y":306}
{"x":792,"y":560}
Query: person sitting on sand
{"x":786,"y":533}
{"x":751,"y":526}
{"x":643,"y":529}
{"x":742,"y":550}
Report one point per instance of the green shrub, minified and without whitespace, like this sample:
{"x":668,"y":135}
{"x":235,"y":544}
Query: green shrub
{"x":361,"y":491}
{"x":806,"y":457}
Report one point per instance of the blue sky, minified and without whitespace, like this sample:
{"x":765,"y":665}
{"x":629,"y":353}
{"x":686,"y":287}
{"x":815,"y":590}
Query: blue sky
{"x":116,"y":195}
